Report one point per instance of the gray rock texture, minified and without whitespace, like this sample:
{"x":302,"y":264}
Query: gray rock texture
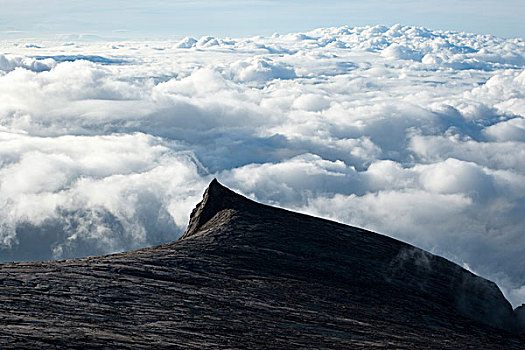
{"x":246,"y":275}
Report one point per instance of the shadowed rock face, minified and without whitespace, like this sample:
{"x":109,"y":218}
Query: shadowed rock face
{"x":246,"y":275}
{"x":520,"y":319}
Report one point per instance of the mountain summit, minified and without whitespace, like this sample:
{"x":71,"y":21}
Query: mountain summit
{"x":247,"y":275}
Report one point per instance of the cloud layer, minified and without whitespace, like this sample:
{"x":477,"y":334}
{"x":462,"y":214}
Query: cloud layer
{"x":414,"y":133}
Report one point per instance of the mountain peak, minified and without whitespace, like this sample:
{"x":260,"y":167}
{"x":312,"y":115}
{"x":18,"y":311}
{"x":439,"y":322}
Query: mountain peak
{"x":472,"y":296}
{"x":215,"y":199}
{"x":256,"y":276}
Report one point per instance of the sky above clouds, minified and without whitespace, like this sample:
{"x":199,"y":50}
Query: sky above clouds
{"x":135,"y":19}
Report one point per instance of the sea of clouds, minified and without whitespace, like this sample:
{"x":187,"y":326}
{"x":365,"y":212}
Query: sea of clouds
{"x":414,"y":133}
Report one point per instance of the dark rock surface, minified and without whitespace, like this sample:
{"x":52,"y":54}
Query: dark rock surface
{"x":246,"y":275}
{"x":520,"y":318}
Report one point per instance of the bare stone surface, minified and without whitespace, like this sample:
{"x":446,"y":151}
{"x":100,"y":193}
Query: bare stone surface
{"x":246,"y":275}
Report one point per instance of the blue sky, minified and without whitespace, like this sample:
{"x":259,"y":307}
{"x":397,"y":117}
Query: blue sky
{"x":174,"y":19}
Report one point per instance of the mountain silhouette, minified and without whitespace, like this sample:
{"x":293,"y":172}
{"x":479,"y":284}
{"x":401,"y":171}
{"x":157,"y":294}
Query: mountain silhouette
{"x":248,"y":275}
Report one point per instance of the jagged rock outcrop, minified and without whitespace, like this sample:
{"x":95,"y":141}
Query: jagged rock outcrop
{"x":246,"y":275}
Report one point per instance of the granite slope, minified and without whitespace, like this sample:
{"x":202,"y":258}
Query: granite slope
{"x":247,"y":275}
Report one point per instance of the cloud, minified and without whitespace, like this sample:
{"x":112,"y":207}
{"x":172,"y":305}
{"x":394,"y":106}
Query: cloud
{"x":98,"y":193}
{"x":11,"y":62}
{"x":507,"y":130}
{"x":397,"y":51}
{"x":417,"y":134}
{"x":261,"y":70}
{"x":186,"y":43}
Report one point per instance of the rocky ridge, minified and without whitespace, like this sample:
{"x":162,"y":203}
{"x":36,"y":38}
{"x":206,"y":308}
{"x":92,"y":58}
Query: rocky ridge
{"x":247,"y":275}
